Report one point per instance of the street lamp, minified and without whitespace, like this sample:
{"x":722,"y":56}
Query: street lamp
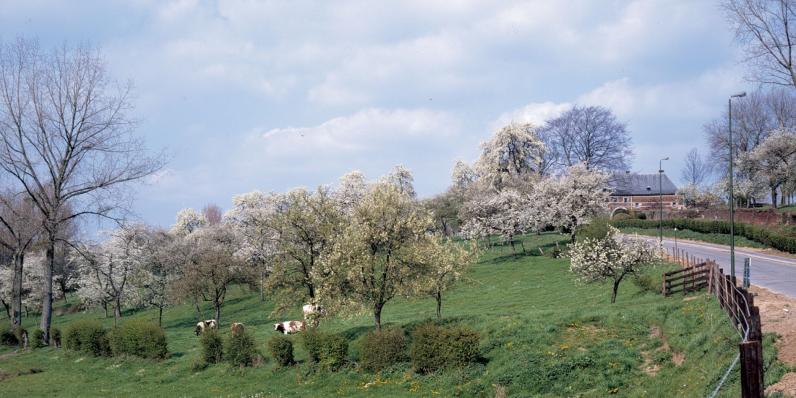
{"x":732,"y":185}
{"x":660,"y":199}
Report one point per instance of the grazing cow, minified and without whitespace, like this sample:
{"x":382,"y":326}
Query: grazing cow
{"x":206,"y":325}
{"x":236,"y":328}
{"x":289,"y":327}
{"x":310,"y":309}
{"x":312,"y":314}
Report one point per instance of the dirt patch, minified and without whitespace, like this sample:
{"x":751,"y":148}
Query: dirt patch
{"x":649,"y":366}
{"x":786,"y":386}
{"x":778,"y":315}
{"x":4,"y":375}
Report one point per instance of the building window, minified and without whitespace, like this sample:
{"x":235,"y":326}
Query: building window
{"x":674,"y":203}
{"x":625,"y":199}
{"x":638,"y":204}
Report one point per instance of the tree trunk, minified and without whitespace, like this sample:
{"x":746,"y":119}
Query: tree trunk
{"x":160,"y":316}
{"x":117,"y":310}
{"x":377,"y":315}
{"x":105,"y":307}
{"x":616,"y":288}
{"x":16,"y":296}
{"x":439,"y":305}
{"x":217,"y":306}
{"x":774,"y":198}
{"x":262,"y":286}
{"x":47,"y":299}
{"x":8,"y":309}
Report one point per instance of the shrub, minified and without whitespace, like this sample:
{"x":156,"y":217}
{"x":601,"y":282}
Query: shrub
{"x":22,"y":336}
{"x":646,"y":283}
{"x":382,"y":349}
{"x":241,"y":349}
{"x":437,"y":347}
{"x":312,"y":340}
{"x":212,"y":346}
{"x":8,"y":338}
{"x":38,"y":339}
{"x":597,"y":228}
{"x":281,"y":349}
{"x":621,"y":216}
{"x":89,"y":337}
{"x":335,"y":352}
{"x":328,"y":350}
{"x":55,"y":337}
{"x":140,"y":338}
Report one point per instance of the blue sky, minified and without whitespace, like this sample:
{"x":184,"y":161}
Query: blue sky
{"x":270,"y":95}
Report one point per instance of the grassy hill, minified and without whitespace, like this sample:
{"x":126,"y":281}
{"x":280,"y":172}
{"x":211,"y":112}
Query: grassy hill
{"x":542,"y":334}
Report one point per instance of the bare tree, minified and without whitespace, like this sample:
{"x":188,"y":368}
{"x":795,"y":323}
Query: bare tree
{"x":19,"y":228}
{"x":696,"y":170}
{"x":590,"y":135}
{"x":766,"y":28}
{"x":213,"y":214}
{"x":66,"y":138}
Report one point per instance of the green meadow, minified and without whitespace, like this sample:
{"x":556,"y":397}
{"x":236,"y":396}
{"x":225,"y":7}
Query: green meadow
{"x":542,"y":334}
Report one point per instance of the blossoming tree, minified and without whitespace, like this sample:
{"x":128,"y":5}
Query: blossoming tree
{"x":611,"y":258}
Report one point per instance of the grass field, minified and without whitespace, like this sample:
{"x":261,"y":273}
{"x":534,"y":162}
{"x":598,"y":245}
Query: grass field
{"x":721,"y":239}
{"x":542,"y":334}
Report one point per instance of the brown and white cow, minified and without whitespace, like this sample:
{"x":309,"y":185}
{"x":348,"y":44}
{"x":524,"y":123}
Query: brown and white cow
{"x":236,"y":328}
{"x":289,"y":327}
{"x":208,"y":324}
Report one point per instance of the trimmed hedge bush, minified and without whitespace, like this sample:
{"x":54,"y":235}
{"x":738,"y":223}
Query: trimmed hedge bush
{"x":382,"y":349}
{"x":335,"y":352}
{"x":437,"y":347}
{"x":758,"y":233}
{"x":55,"y":337}
{"x":241,"y":349}
{"x":8,"y":338}
{"x":89,"y":337}
{"x":212,"y":346}
{"x":281,"y":349}
{"x":312,"y":340}
{"x":328,"y":350}
{"x":139,"y":338}
{"x":38,"y":339}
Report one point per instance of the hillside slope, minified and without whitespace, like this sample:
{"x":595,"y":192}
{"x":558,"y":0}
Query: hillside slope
{"x":543,"y":334}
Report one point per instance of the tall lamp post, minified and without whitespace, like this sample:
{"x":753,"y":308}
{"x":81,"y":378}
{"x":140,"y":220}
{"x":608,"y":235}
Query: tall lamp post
{"x":732,"y":184}
{"x":660,"y":200}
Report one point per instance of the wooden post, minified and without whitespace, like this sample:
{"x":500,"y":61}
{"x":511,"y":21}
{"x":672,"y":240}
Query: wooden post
{"x":751,"y":369}
{"x":663,"y":288}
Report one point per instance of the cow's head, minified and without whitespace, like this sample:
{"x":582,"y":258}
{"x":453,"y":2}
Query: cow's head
{"x":198,"y":330}
{"x":279,"y":327}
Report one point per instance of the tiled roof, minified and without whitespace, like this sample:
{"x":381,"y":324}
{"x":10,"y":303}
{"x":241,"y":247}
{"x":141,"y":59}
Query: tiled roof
{"x":632,"y":184}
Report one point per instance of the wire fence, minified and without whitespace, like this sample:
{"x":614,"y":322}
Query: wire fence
{"x":737,"y":302}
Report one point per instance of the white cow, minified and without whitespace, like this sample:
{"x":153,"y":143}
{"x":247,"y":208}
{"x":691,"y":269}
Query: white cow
{"x":312,"y":313}
{"x":289,"y":327}
{"x":208,"y":324}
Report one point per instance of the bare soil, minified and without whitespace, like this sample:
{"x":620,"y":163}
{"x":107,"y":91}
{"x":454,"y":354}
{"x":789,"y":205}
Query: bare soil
{"x":778,"y":315}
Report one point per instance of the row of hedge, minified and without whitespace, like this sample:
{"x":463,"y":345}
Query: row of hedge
{"x":762,"y":234}
{"x":433,"y":347}
{"x":16,"y":337}
{"x":135,"y":337}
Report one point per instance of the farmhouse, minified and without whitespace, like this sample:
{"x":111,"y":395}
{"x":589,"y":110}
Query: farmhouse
{"x":643,"y":193}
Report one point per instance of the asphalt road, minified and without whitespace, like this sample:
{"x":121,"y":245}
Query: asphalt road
{"x":776,"y":273}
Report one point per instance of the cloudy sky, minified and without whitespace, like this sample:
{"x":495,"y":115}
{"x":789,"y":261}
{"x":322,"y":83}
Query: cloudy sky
{"x":270,"y":95}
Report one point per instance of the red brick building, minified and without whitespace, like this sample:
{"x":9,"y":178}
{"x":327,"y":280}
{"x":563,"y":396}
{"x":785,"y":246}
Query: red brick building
{"x":642,"y":193}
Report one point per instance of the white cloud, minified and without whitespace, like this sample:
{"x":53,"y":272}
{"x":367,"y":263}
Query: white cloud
{"x":536,"y":113}
{"x":370,"y":130}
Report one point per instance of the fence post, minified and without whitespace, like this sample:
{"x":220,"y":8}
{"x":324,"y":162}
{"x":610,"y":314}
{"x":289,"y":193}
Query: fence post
{"x":663,"y":288}
{"x":751,"y":369}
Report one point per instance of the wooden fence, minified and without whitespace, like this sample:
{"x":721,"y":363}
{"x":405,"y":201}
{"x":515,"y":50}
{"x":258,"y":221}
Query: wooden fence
{"x":736,"y":301}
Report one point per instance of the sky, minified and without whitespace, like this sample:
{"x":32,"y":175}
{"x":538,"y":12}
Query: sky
{"x":271,"y":95}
